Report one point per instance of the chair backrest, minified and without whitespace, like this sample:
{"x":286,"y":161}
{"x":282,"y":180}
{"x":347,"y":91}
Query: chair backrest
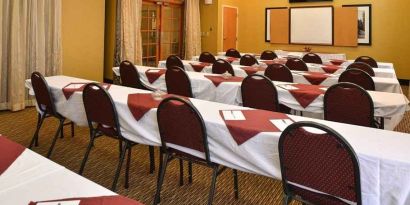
{"x":42,"y":93}
{"x":368,"y":60}
{"x":207,"y":57}
{"x":296,"y":64}
{"x":357,"y":77}
{"x":362,"y":66}
{"x":180,"y":123}
{"x":130,"y":76}
{"x":178,"y":82}
{"x":268,"y":55}
{"x":174,"y":60}
{"x":233,"y":53}
{"x":99,"y":108}
{"x":248,"y":60}
{"x":279,"y":72}
{"x":315,"y":156}
{"x":221,"y":66}
{"x":349,"y":103}
{"x":312,"y":58}
{"x":259,"y":92}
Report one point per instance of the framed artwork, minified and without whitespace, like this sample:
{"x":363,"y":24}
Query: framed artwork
{"x":364,"y":19}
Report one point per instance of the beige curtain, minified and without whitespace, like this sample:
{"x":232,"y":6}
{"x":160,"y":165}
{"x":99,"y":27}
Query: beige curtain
{"x":192,"y":29}
{"x":30,"y":40}
{"x":131,"y":42}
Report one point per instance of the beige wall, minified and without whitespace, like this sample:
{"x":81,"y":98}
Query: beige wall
{"x":109,"y":47}
{"x":83,"y":38}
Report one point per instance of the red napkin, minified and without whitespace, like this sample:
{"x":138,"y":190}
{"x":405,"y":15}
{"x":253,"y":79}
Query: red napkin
{"x":256,"y":121}
{"x":217,"y":80}
{"x":306,"y":94}
{"x":153,"y":76}
{"x":141,"y":103}
{"x":101,"y":200}
{"x":252,"y":69}
{"x":330,"y":68}
{"x":9,"y":152}
{"x":68,"y":92}
{"x":231,"y":59}
{"x":315,"y":78}
{"x":200,"y":66}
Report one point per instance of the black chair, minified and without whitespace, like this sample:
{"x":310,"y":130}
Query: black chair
{"x":221,"y":66}
{"x":130,"y":76}
{"x":172,"y":115}
{"x":46,"y":107}
{"x":357,"y":77}
{"x":368,"y":60}
{"x":174,"y":60}
{"x":248,"y":60}
{"x":339,"y":106}
{"x":323,"y":161}
{"x":260,"y":93}
{"x":279,"y":72}
{"x":296,"y":64}
{"x":312,"y":58}
{"x":103,"y":120}
{"x":268,"y":55}
{"x":207,"y":57}
{"x":178,"y":82}
{"x":233,"y":53}
{"x":362,"y":66}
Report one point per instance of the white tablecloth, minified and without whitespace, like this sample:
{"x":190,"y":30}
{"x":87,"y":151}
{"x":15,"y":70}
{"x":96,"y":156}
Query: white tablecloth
{"x":383,"y":155}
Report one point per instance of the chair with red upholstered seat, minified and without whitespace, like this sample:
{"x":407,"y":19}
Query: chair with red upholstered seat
{"x":312,"y":58}
{"x":296,"y":64}
{"x":268,"y":55}
{"x":358,"y":77}
{"x":248,"y":60}
{"x":130,"y":76}
{"x":221,"y":66}
{"x":207,"y":57}
{"x":174,"y":60}
{"x":318,"y":166}
{"x":279,"y":72}
{"x":260,"y":93}
{"x":183,"y":133}
{"x":178,"y":82}
{"x":233,"y":53}
{"x":362,"y":66}
{"x":368,"y":60}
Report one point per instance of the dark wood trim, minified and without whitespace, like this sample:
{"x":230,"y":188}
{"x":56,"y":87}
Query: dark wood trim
{"x":266,"y":20}
{"x":370,"y":19}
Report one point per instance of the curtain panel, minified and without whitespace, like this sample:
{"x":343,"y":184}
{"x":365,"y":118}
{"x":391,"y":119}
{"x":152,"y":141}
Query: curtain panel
{"x":192,"y":29}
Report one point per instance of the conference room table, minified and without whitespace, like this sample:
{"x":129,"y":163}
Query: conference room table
{"x":383,"y":155}
{"x":26,"y":176}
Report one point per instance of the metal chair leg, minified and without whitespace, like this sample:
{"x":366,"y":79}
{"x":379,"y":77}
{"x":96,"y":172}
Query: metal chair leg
{"x":121,"y":161}
{"x":72,"y":129}
{"x":213,"y":185}
{"x":60,"y":127}
{"x":151,"y":159}
{"x":190,"y":172}
{"x":62,"y":132}
{"x":181,"y":172}
{"x":127,"y":169}
{"x":286,"y":200}
{"x":87,"y":152}
{"x":235,"y":183}
{"x":161,"y":160}
{"x":161,"y":177}
{"x":34,"y":140}
{"x":120,"y":147}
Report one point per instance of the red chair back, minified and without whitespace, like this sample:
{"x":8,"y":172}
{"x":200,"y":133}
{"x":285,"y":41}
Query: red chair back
{"x":323,"y":161}
{"x":130,"y":76}
{"x":42,"y":93}
{"x":357,"y":77}
{"x":174,"y":60}
{"x":362,"y":66}
{"x":312,"y":58}
{"x":268,"y":55}
{"x":233,"y":53}
{"x":207,"y":57}
{"x":349,"y":103}
{"x":221,"y":66}
{"x":180,"y":123}
{"x":248,"y":60}
{"x":368,"y":60}
{"x":279,"y":72}
{"x":260,"y":93}
{"x":296,"y":64}
{"x":178,"y":82}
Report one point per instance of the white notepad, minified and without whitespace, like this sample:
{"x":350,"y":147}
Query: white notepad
{"x":233,"y":115}
{"x":74,"y":202}
{"x":153,"y":71}
{"x":288,"y":87}
{"x":282,"y":124}
{"x":324,"y":89}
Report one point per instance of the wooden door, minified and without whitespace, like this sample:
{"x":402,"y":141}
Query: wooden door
{"x":229,"y":27}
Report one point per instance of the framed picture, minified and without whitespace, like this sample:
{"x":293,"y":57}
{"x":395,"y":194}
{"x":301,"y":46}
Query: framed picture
{"x":364,"y":19}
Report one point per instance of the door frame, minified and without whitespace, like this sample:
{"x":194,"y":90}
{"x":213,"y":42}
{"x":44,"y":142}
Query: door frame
{"x":237,"y":25}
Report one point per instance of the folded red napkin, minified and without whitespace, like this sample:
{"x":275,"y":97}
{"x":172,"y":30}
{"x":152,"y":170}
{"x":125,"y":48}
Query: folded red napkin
{"x":217,"y":80}
{"x":231,"y":59}
{"x":252,"y":69}
{"x":256,"y":121}
{"x":330,"y":68}
{"x":101,"y":200}
{"x":9,"y":152}
{"x":315,"y":78}
{"x":68,"y":91}
{"x":306,"y":94}
{"x":200,"y":66}
{"x":154,"y":74}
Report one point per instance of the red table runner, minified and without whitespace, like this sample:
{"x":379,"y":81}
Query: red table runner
{"x":200,"y":66}
{"x":315,"y":78}
{"x":330,"y":68}
{"x":153,"y":76}
{"x":256,"y":121}
{"x":306,"y":94}
{"x":9,"y":152}
{"x":252,"y":69}
{"x":102,"y":200}
{"x":231,"y":59}
{"x":217,"y":80}
{"x":68,"y":92}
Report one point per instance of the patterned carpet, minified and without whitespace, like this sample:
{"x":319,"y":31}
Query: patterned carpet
{"x":19,"y":126}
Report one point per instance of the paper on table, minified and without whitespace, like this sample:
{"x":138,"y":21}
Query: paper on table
{"x":74,"y":202}
{"x":282,"y":124}
{"x":153,"y":71}
{"x":75,"y":86}
{"x":233,"y":115}
{"x":288,"y":87}
{"x":324,"y":89}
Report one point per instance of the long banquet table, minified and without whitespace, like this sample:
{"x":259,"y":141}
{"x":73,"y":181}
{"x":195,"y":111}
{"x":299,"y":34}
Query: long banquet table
{"x":383,"y":155}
